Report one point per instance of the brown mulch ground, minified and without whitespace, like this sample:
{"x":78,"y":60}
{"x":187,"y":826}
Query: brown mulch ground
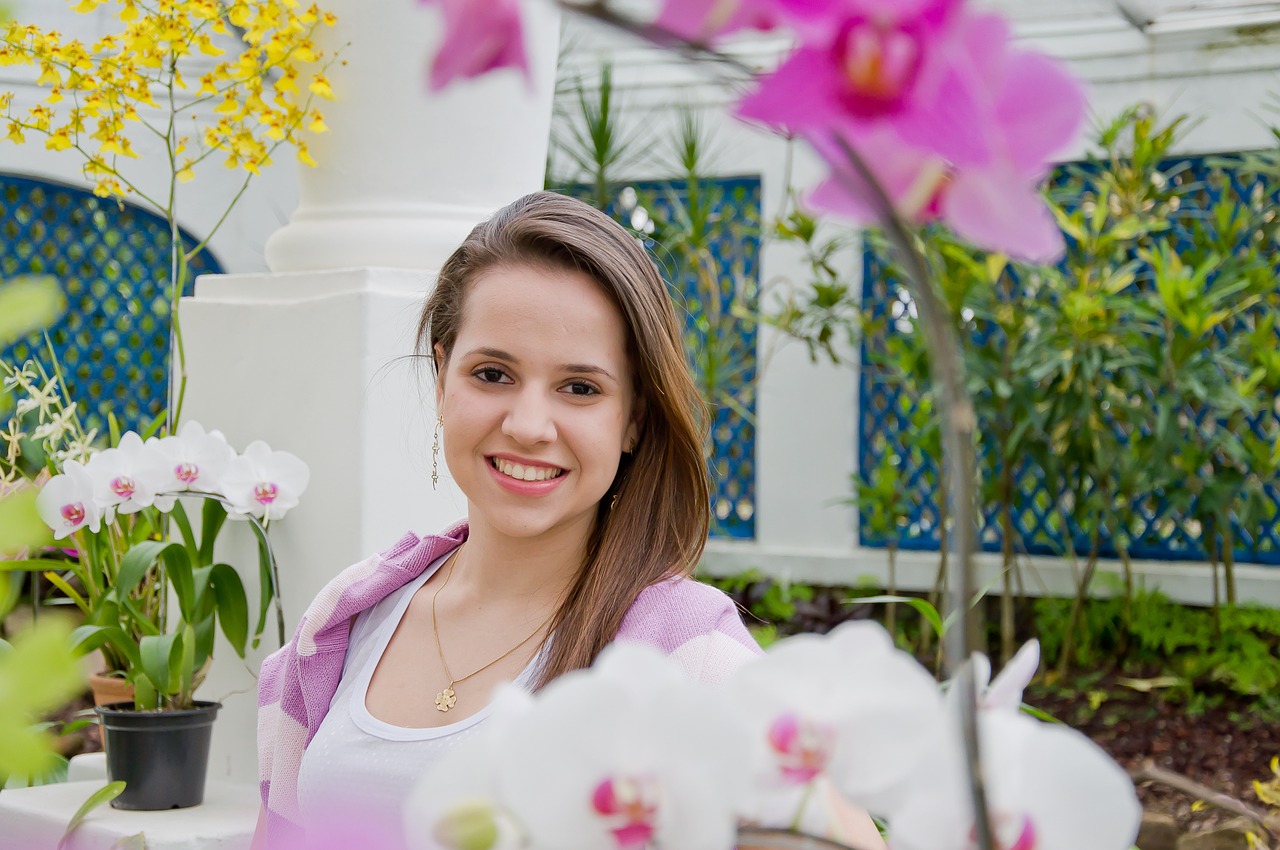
{"x":1225,"y":741}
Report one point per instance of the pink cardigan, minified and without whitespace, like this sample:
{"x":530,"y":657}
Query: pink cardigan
{"x":693,"y":623}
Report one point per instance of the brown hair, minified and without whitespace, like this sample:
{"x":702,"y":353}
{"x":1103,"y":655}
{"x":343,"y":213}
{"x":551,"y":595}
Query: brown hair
{"x":658,"y":526}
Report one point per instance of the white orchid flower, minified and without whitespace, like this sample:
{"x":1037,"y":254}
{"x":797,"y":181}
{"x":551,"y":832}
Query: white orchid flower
{"x":1005,"y":692}
{"x":263,"y":483}
{"x":848,"y":709}
{"x":1048,"y":788}
{"x":66,"y":503}
{"x":128,"y":478}
{"x":456,"y":805}
{"x":195,"y":459}
{"x":627,"y":755}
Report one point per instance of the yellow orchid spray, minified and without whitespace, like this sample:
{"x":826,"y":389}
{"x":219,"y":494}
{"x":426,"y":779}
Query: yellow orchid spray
{"x":206,"y":78}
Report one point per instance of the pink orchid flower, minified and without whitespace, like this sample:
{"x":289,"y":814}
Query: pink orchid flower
{"x":862,"y":62}
{"x":479,"y":36}
{"x":985,"y":192}
{"x":704,"y":20}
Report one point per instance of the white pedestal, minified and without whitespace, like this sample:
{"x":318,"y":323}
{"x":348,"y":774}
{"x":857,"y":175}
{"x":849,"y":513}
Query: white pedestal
{"x":315,"y":363}
{"x":35,"y":819}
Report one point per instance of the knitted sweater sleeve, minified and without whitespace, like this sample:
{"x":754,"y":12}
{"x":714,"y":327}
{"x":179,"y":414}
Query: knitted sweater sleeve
{"x":696,"y":625}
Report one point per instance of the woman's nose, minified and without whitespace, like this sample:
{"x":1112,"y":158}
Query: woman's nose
{"x":529,"y":421}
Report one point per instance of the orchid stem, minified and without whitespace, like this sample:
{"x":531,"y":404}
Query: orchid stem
{"x":958,"y":423}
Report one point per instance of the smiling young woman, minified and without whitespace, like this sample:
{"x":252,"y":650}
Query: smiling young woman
{"x":568,"y":418}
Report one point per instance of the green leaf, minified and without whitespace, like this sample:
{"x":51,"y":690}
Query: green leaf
{"x":37,"y":674}
{"x":105,"y":794}
{"x":233,"y":607}
{"x":156,"y":653}
{"x":213,"y":515}
{"x":926,"y":610}
{"x":20,"y":523}
{"x":137,"y":841}
{"x":28,"y":303}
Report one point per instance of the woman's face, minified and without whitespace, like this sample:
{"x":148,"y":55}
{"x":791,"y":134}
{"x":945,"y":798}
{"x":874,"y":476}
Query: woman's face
{"x":538,"y":401}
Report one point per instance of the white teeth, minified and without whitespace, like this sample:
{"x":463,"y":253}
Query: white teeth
{"x":525,"y":473}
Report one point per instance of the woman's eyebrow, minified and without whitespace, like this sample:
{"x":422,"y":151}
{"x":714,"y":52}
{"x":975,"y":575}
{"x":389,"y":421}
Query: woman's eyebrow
{"x":587,"y":369}
{"x":572,"y":368}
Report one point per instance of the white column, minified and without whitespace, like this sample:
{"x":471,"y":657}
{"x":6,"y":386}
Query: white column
{"x":315,"y":357}
{"x":404,"y":172}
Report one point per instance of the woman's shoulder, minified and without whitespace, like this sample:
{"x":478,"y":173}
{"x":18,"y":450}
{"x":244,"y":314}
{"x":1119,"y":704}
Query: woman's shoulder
{"x":696,"y":623}
{"x":367,"y":582}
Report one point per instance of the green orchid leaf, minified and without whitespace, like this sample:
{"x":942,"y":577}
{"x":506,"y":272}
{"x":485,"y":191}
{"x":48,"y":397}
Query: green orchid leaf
{"x":157,"y":654}
{"x":105,"y":794}
{"x":233,"y":606}
{"x":213,"y":515}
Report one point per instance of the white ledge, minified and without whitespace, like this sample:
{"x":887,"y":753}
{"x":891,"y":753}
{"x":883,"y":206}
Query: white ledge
{"x":35,"y":818}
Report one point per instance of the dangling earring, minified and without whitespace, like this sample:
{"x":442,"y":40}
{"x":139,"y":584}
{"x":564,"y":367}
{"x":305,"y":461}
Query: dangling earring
{"x":435,"y":451}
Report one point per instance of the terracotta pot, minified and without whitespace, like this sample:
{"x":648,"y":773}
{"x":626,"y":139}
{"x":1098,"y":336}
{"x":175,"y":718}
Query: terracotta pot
{"x":109,"y":689}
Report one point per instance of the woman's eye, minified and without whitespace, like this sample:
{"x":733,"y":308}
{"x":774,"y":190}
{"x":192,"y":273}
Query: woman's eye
{"x":581,"y":388}
{"x":489,"y":375}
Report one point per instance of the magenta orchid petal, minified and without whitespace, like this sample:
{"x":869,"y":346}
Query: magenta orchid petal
{"x":480,"y":36}
{"x":704,"y":20}
{"x":998,"y":210}
{"x":911,"y":178}
{"x":953,"y":113}
{"x":803,"y":93}
{"x":1041,"y":109}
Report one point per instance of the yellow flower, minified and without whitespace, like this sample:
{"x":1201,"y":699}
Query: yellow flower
{"x":317,"y":124}
{"x":320,"y":86}
{"x":59,"y":140}
{"x":185,"y":174}
{"x":15,"y":133}
{"x":304,"y":156}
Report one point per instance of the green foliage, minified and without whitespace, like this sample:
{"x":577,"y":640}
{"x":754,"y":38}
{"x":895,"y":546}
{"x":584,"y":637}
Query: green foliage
{"x":769,"y":600}
{"x":1239,"y":650}
{"x":37,"y":674}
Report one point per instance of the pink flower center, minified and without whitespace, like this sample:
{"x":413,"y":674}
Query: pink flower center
{"x":880,"y":64}
{"x":187,"y":473}
{"x":73,"y":514}
{"x":123,"y":486}
{"x":803,"y":746}
{"x":1003,"y":824}
{"x":266,"y":493}
{"x":630,"y":807}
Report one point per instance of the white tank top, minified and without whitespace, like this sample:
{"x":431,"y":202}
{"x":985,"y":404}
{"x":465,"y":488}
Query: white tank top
{"x":358,"y":763}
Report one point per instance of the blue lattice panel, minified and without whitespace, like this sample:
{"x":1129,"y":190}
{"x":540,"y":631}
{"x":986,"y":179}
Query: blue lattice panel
{"x":889,"y":402}
{"x":112,"y":262}
{"x":706,"y":285}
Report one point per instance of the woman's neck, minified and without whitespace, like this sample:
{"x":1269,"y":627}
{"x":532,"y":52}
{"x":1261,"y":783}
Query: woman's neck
{"x":495,"y":566}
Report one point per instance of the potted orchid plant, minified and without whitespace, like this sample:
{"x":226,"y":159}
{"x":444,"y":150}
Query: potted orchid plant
{"x":144,"y":575}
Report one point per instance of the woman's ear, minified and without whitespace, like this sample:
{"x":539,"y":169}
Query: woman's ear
{"x":631,"y":438}
{"x":441,"y":361}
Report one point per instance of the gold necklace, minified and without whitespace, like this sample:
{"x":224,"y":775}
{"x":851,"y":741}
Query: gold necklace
{"x":447,"y":699}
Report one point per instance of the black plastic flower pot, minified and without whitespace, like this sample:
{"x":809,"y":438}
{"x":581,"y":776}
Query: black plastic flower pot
{"x":161,"y":756}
